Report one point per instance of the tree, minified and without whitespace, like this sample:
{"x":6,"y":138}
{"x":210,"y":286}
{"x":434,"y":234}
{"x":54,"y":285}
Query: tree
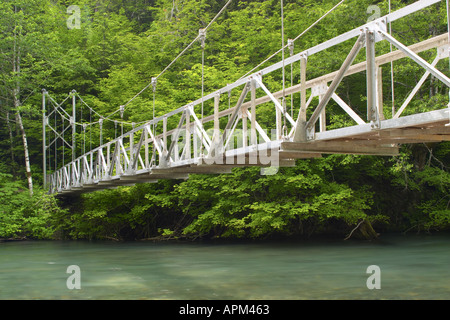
{"x":24,"y":42}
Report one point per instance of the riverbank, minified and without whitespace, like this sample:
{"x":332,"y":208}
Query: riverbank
{"x":317,"y":238}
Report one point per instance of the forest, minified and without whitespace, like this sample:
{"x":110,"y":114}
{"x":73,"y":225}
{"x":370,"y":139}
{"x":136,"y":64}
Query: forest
{"x":115,"y":50}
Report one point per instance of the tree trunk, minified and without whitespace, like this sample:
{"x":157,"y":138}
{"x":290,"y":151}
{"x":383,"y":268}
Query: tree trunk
{"x":364,"y":231}
{"x":16,"y":96}
{"x":11,"y":144}
{"x":25,"y":148}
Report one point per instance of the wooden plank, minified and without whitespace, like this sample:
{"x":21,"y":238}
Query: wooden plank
{"x":298,"y":155}
{"x":380,"y":93}
{"x":253,"y":136}
{"x":408,"y":132}
{"x":152,"y":176}
{"x":422,"y":137}
{"x":217,"y":169}
{"x":338,"y":148}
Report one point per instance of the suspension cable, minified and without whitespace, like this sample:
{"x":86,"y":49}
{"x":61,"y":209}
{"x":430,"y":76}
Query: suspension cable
{"x":56,"y":143}
{"x":90,"y":130}
{"x":153,"y":83}
{"x":448,"y":30}
{"x":291,"y":53}
{"x":81,"y":120}
{"x":154,"y":103}
{"x":63,"y":144}
{"x":202,"y":37}
{"x":284,"y":131}
{"x":84,"y":138}
{"x":100,"y":122}
{"x":296,"y":38}
{"x":392,"y":66}
{"x":176,"y":58}
{"x":49,"y":153}
{"x":195,"y":40}
{"x":448,"y":23}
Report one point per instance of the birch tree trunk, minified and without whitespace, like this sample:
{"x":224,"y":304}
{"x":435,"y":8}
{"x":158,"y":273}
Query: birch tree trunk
{"x":25,"y":148}
{"x":16,"y":96}
{"x":11,"y":143}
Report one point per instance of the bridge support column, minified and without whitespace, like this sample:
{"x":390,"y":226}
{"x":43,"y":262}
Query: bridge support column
{"x":74,"y":129}
{"x":253,"y":136}
{"x":163,"y":163}
{"x":44,"y":141}
{"x":300,"y":129}
{"x":187,"y":147}
{"x":216,"y":145}
{"x":371,"y":79}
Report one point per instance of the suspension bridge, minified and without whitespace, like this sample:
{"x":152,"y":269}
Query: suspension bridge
{"x":187,"y":141}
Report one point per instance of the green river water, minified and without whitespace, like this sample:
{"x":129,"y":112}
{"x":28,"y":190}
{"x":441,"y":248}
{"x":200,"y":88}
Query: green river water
{"x":411,"y":267}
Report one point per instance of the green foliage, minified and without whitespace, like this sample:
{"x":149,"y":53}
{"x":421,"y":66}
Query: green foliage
{"x":245,"y":204}
{"x":22,"y":216}
{"x":122,"y":44}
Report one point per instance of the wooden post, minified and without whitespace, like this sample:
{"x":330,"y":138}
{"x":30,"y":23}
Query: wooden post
{"x":323,"y":117}
{"x":215,"y":149}
{"x":244,"y":128}
{"x":371,"y":77}
{"x":279,"y":125}
{"x":216,"y":118}
{"x":165,"y":135}
{"x":300,"y":130}
{"x":195,"y":141}
{"x":147,"y":164}
{"x":163,"y":157}
{"x":303,"y":88}
{"x":108,"y":152}
{"x":130,"y":165}
{"x":380,"y":92}
{"x":253,"y":137}
{"x":187,"y":138}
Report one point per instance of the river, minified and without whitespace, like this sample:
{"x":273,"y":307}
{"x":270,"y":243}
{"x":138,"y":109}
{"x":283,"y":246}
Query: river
{"x":410,"y":267}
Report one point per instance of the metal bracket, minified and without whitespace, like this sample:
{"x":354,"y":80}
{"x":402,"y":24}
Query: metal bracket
{"x":257,"y":77}
{"x":319,"y":89}
{"x":290,"y":45}
{"x":310,"y":133}
{"x":443,"y":51}
{"x":202,"y":37}
{"x":375,"y":26}
{"x":375,"y":124}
